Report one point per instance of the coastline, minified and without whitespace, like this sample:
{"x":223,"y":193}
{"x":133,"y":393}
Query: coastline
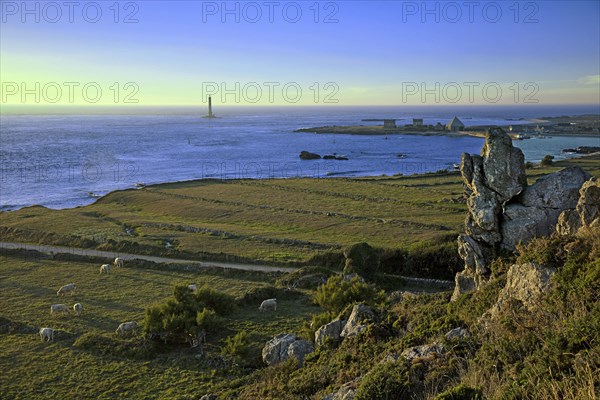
{"x":591,"y":157}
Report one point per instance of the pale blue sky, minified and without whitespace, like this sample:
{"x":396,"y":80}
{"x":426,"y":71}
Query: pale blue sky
{"x":369,"y":53}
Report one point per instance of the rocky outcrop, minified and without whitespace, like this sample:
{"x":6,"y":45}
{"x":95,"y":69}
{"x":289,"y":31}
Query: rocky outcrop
{"x":586,"y":214}
{"x":503,"y":211}
{"x":330,"y":331}
{"x":284,"y":346}
{"x":307,"y":155}
{"x":525,"y":283}
{"x":357,"y":322}
{"x":536,"y":211}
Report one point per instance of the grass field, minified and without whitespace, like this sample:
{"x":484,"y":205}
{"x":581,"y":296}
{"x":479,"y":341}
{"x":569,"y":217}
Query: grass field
{"x":270,"y":220}
{"x":35,"y":369}
{"x":264,"y":221}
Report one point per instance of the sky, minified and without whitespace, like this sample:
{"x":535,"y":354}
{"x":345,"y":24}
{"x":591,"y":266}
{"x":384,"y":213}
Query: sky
{"x":299,"y":53}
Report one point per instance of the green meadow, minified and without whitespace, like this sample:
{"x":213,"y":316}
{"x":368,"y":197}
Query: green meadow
{"x":284,"y":222}
{"x":262,"y":221}
{"x":107,"y":366}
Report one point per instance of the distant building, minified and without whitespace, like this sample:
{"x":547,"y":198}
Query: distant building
{"x":389,"y":123}
{"x":455,"y":125}
{"x":439,"y":127}
{"x":418,"y":121}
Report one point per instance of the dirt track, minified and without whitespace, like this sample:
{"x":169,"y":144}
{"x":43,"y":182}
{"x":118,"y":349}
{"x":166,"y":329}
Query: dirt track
{"x":125,"y":256}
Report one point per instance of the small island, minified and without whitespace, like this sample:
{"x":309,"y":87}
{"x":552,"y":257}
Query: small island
{"x":582,"y":125}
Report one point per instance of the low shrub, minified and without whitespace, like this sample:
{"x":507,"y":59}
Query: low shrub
{"x":385,"y":381}
{"x":241,"y":350}
{"x":461,"y":392}
{"x":337,"y":293}
{"x":221,"y":303}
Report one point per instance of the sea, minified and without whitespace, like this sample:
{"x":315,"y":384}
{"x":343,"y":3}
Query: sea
{"x":63,"y":158}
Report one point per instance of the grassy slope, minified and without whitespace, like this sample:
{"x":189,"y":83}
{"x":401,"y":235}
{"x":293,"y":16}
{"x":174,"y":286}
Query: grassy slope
{"x":59,"y":370}
{"x":267,"y":220}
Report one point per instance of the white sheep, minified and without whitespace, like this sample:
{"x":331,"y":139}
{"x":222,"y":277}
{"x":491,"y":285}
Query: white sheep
{"x":118,"y":263}
{"x":105,"y":268}
{"x":78,"y":308}
{"x":268,"y":304}
{"x":70,"y":288}
{"x":47,"y":334}
{"x":126,"y":327}
{"x":56,"y":308}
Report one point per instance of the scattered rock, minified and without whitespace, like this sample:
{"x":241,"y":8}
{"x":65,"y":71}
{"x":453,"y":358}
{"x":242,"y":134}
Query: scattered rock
{"x":307,"y":155}
{"x":360,"y":313}
{"x":583,"y":150}
{"x":390,"y":358}
{"x":422,"y":351}
{"x":334,"y":157}
{"x":209,"y":397}
{"x":457,"y":333}
{"x":346,"y":392}
{"x":284,"y":346}
{"x":330,"y":331}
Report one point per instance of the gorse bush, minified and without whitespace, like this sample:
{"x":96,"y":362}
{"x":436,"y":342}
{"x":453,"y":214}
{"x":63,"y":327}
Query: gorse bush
{"x":461,"y":392}
{"x":186,"y":313}
{"x":221,"y":303}
{"x":242,"y":350}
{"x":339,"y":292}
{"x":209,"y":321}
{"x":386,"y":381}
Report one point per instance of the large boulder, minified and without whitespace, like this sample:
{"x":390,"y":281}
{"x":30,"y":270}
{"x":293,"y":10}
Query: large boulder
{"x":361,"y":314}
{"x":275,"y":350}
{"x":521,"y":224}
{"x":503,"y":165}
{"x":474,"y":254}
{"x":299,"y":349}
{"x":330,"y":331}
{"x":588,"y":206}
{"x":559,"y":190}
{"x":284,"y":346}
{"x":464,"y":281}
{"x":525,"y":283}
{"x":535,"y":212}
{"x":586,"y":213}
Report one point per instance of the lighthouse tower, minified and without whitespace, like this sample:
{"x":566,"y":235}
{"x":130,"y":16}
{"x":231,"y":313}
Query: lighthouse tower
{"x":210,"y":113}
